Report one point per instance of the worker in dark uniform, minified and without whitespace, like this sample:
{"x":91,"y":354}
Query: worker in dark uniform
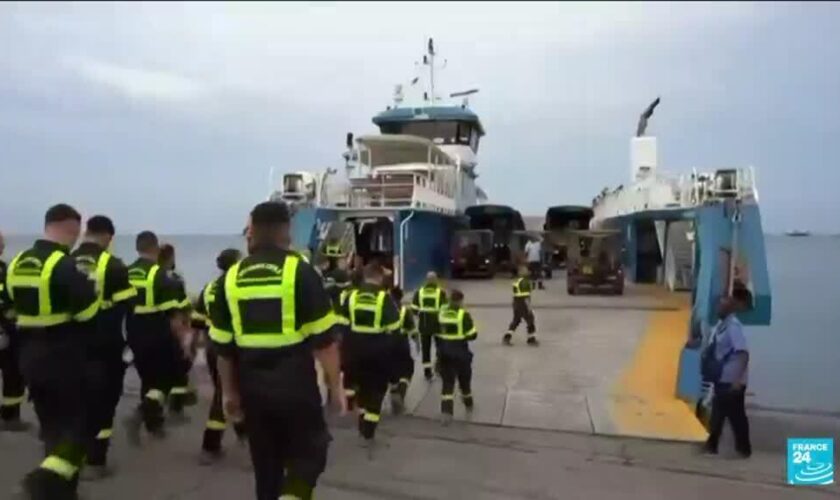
{"x":270,"y":313}
{"x":332,"y":249}
{"x":180,"y":391}
{"x":522,"y":308}
{"x":348,"y":378}
{"x":403,"y":362}
{"x":157,"y":315}
{"x":456,"y":331}
{"x":374,"y":321}
{"x":13,"y":386}
{"x":211,"y":444}
{"x":336,"y":279}
{"x":54,"y":304}
{"x":427,"y":302}
{"x":105,"y":368}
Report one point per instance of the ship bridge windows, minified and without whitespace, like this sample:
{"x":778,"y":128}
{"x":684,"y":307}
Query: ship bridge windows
{"x":442,"y":133}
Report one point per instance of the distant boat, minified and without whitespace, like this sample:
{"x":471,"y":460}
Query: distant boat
{"x":798,"y":233}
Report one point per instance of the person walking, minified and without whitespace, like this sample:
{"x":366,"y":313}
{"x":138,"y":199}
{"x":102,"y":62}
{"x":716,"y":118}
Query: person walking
{"x":14,"y":389}
{"x":269,"y":315}
{"x":427,"y":302}
{"x":180,"y":394}
{"x":105,"y":368}
{"x":729,"y":349}
{"x":403,"y":369}
{"x":522,"y":309}
{"x":534,"y":254}
{"x":457,"y":330}
{"x":55,"y":304}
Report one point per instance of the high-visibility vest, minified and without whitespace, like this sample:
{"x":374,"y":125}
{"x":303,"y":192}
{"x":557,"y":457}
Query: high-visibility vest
{"x":452,"y":324}
{"x":96,"y":266}
{"x":519,"y":291}
{"x":142,"y":278}
{"x":333,"y":250}
{"x":28,"y":272}
{"x":366,"y":309}
{"x":430,"y":298}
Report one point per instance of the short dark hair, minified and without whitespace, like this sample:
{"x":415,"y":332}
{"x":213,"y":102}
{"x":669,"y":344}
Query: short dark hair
{"x":60,"y":213}
{"x":100,"y":224}
{"x":456,"y":296}
{"x":167,"y":252}
{"x":397,"y":294}
{"x":227,"y":258}
{"x":743,"y":296}
{"x":146,"y":241}
{"x":270,"y":214}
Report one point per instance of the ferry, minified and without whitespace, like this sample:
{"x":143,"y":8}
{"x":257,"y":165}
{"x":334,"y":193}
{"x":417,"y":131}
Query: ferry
{"x":404,"y":191}
{"x":699,"y":232}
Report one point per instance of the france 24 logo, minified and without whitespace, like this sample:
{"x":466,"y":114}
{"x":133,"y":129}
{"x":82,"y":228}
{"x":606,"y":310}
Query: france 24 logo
{"x":810,"y":461}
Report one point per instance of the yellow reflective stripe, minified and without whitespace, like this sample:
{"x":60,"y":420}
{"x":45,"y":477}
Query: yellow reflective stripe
{"x":44,"y":299}
{"x":435,"y":294}
{"x":405,"y":380}
{"x":349,"y":392}
{"x":390,"y":327}
{"x":178,"y":390}
{"x":12,"y":400}
{"x":220,"y":336}
{"x":105,"y":434}
{"x":155,"y":395}
{"x":376,"y":309}
{"x":427,"y":365}
{"x":471,"y":332}
{"x":99,"y":282}
{"x":449,"y":318}
{"x":60,"y":466}
{"x":289,"y":496}
{"x":319,"y":325}
{"x":371,"y":417}
{"x":197,"y":316}
{"x":447,"y":397}
{"x":168,"y":305}
{"x":43,"y":321}
{"x":88,"y":313}
{"x":10,"y":276}
{"x":517,"y":291}
{"x":123,"y":295}
{"x":185,"y":302}
{"x":216,"y":425}
{"x":147,"y":284}
{"x":341,"y":320}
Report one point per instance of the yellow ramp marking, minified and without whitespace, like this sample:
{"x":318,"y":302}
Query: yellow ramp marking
{"x":644,"y":402}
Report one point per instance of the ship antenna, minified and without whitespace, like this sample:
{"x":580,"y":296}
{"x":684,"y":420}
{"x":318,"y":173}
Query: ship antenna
{"x":429,"y":60}
{"x":643,"y":119}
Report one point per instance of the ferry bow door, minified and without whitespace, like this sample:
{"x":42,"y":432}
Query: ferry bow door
{"x":373,"y":240}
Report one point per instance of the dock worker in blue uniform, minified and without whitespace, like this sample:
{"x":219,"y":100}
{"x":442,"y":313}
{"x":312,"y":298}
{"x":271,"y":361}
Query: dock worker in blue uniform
{"x":457,"y":330}
{"x":158,"y":313}
{"x":55,"y":304}
{"x":403,"y":369}
{"x":522,"y":288}
{"x":427,"y":303}
{"x":14,"y":389}
{"x":211,"y":444}
{"x":105,"y":367}
{"x":269,"y":315}
{"x":374,"y":322}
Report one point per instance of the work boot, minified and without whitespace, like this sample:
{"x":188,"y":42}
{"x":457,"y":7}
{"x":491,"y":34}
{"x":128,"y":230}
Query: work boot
{"x":15,"y":425}
{"x":532,"y":341}
{"x":507,"y":339}
{"x":210,"y":457}
{"x":397,"y":403}
{"x":95,"y":472}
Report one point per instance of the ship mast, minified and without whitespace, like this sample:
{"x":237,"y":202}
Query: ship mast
{"x":429,"y":60}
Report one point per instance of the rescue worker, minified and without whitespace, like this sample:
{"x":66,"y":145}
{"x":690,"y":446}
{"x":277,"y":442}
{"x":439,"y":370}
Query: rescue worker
{"x":13,"y":386}
{"x":105,"y":368}
{"x":270,"y":313}
{"x":156,"y":316}
{"x":427,"y":302}
{"x":457,"y":329}
{"x":374,"y":321}
{"x":182,"y":356}
{"x":332,"y":249}
{"x":348,"y":378}
{"x":54,"y":304}
{"x":403,"y":362}
{"x":522,"y":309}
{"x":336,"y":279}
{"x":211,"y":444}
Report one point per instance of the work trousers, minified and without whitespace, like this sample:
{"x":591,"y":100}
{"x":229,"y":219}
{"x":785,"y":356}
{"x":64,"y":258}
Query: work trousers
{"x":372,"y":365}
{"x":349,"y":379}
{"x":455,"y":366}
{"x":151,"y":341}
{"x":216,"y":423}
{"x":13,"y":386}
{"x":729,"y":404}
{"x":179,"y":391}
{"x":522,"y":311}
{"x":428,"y":326}
{"x":53,"y":364}
{"x":403,"y":366}
{"x":104,"y":372}
{"x":287,"y":435}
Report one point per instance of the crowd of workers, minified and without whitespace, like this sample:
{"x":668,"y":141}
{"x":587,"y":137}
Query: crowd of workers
{"x":64,"y":311}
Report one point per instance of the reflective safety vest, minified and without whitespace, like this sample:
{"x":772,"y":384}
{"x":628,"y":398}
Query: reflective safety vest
{"x":366,"y":310}
{"x":333,"y":250}
{"x":430,"y":299}
{"x":208,"y":295}
{"x":519,"y":291}
{"x":95,"y":268}
{"x":403,"y":313}
{"x":28,"y":274}
{"x":144,"y":281}
{"x":262,"y":308}
{"x":452,"y":324}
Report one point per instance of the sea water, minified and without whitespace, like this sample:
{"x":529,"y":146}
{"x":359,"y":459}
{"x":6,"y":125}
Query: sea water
{"x":794,"y":363}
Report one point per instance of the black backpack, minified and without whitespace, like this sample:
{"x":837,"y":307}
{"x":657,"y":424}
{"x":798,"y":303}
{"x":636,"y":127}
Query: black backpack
{"x":710,"y":367}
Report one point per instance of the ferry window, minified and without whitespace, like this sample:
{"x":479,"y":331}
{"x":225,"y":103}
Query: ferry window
{"x":438,"y":132}
{"x":464,"y":130}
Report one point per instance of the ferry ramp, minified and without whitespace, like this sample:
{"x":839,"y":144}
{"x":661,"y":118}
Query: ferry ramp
{"x":605,"y":364}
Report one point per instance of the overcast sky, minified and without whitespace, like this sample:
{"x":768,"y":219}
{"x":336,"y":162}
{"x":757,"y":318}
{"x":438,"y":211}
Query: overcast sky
{"x":169,"y":116}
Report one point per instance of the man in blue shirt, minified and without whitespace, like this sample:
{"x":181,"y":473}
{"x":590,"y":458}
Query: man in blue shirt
{"x":731,"y":351}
